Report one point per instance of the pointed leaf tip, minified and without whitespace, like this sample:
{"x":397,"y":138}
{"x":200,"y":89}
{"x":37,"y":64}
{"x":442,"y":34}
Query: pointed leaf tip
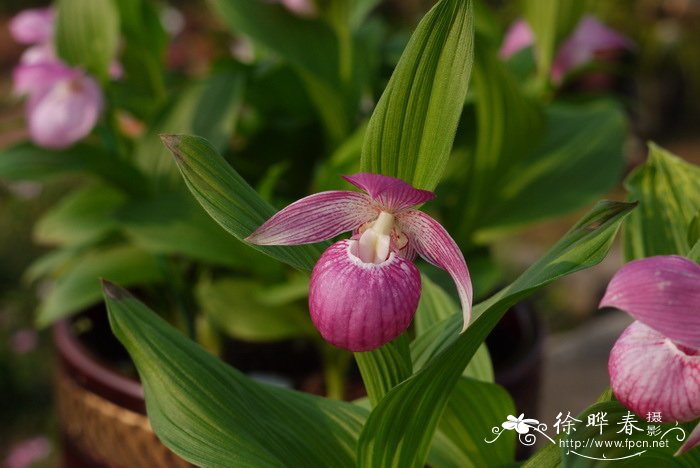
{"x":112,"y":291}
{"x":172,"y":142}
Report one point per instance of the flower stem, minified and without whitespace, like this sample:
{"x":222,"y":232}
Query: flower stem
{"x":336,"y":364}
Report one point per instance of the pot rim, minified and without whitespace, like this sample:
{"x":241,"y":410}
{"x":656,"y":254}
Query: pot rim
{"x":93,"y":374}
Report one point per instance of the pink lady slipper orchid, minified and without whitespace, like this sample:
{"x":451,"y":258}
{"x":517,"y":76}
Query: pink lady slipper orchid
{"x":64,"y":103}
{"x":655,"y":364}
{"x":590,"y":38}
{"x":364,"y":290}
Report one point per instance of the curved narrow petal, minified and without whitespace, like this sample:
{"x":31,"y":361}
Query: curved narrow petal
{"x":434,"y":244}
{"x":40,"y":53}
{"x":64,"y":113}
{"x":589,"y":37}
{"x":518,"y":37}
{"x":35,"y":77}
{"x":648,"y":373}
{"x":663,"y":292}
{"x":315,"y":218}
{"x":303,"y":8}
{"x":691,"y":442}
{"x":390,"y":193}
{"x":361,"y":306}
{"x":509,"y":425}
{"x":33,"y":26}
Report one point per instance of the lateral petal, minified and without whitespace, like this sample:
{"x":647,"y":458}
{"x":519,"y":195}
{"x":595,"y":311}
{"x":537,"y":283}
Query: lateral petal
{"x":315,"y":218}
{"x":590,"y":36}
{"x":518,"y":37}
{"x":691,"y":442}
{"x":649,"y":373}
{"x":390,"y":193}
{"x":663,"y":292}
{"x":361,"y":306}
{"x":434,"y":244}
{"x":33,"y":26}
{"x":35,"y":77}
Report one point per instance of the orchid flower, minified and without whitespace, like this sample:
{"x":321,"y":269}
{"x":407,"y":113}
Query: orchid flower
{"x":33,"y":26}
{"x":64,"y":102}
{"x":364,"y":290}
{"x":303,"y":8}
{"x":590,"y":37}
{"x":655,"y":364}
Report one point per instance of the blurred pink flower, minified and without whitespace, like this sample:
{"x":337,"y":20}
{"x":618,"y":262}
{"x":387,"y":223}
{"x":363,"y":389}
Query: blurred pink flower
{"x":518,"y":37}
{"x":28,"y":452}
{"x":24,"y":341}
{"x":33,"y":26}
{"x":588,"y":39}
{"x":304,"y":8}
{"x":64,"y":103}
{"x":655,"y":364}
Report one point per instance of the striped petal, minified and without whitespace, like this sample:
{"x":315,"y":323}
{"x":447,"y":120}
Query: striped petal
{"x":663,"y":292}
{"x":33,"y":26}
{"x":649,"y":373}
{"x":361,"y":306}
{"x":390,"y":193}
{"x":315,"y":218}
{"x":434,"y":244}
{"x":691,"y":442}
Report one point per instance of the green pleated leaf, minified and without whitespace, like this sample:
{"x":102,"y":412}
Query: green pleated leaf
{"x":78,"y":283}
{"x":590,"y":454}
{"x":509,"y":127}
{"x":208,"y":109}
{"x":582,"y":148}
{"x":551,"y":21}
{"x":212,"y":415}
{"x":174,"y":224}
{"x":312,"y":47}
{"x":411,"y":131}
{"x":26,"y":161}
{"x":472,"y":410}
{"x":143,"y":66}
{"x":87,"y":34}
{"x":308,"y":44}
{"x":83,"y":216}
{"x":385,"y":367}
{"x":415,"y":405}
{"x":435,"y":307}
{"x":694,"y":253}
{"x":228,"y":199}
{"x":668,"y":191}
{"x":238,"y":308}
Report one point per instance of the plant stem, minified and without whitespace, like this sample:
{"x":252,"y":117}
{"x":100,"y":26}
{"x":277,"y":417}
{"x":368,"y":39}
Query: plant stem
{"x":336,"y":364}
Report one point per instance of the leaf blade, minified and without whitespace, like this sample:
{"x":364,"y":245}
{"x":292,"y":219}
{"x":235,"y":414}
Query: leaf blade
{"x":212,"y":415}
{"x":411,"y":131}
{"x":416,"y":404}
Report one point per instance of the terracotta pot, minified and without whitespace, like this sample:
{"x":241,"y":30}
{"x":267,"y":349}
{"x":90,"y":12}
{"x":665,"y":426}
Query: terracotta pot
{"x":101,"y":412}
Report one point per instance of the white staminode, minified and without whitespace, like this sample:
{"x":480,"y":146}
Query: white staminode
{"x":375,"y":241}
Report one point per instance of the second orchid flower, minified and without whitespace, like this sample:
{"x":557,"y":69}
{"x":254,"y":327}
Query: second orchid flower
{"x":364,"y":290}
